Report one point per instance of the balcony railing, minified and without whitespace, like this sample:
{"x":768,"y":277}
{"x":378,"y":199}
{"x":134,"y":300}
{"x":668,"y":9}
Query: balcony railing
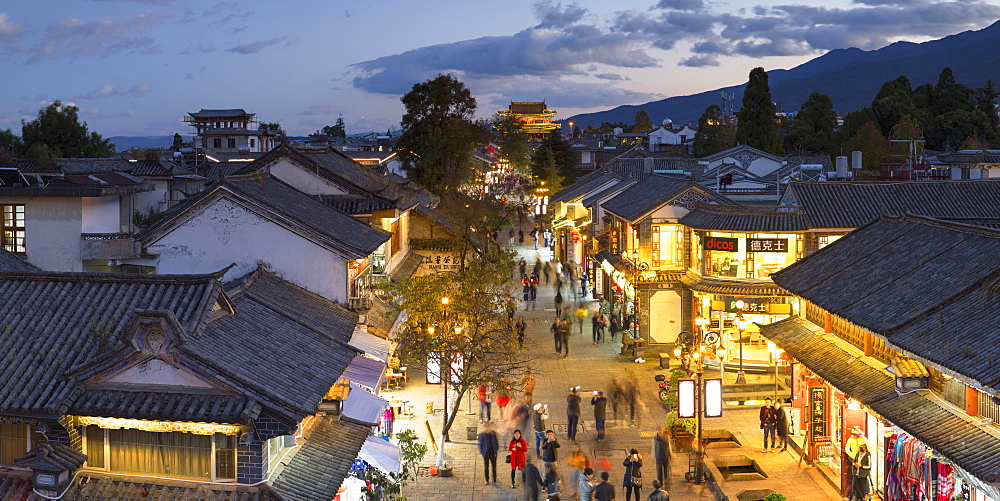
{"x":108,"y":246}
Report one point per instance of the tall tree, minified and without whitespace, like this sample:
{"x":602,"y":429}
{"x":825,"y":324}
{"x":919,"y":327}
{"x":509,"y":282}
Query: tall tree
{"x":337,"y":130}
{"x":872,"y":145}
{"x":58,"y":130}
{"x":853,"y":122}
{"x":642,"y":122}
{"x":440,"y":134}
{"x":755,"y":124}
{"x":509,"y":135}
{"x":812,"y":129}
{"x":178,"y":142}
{"x":715,"y":132}
{"x":561,"y":153}
{"x":271,"y":126}
{"x":10,"y":143}
{"x":893,"y":101}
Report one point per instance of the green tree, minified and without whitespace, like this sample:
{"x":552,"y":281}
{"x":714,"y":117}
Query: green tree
{"x":10,"y":143}
{"x":872,"y":145}
{"x":812,"y":129}
{"x":894,"y":100}
{"x":561,"y":153}
{"x":509,"y":135}
{"x":337,"y":130}
{"x":390,"y":487}
{"x":715,"y":132}
{"x":146,"y":154}
{"x":270,"y":126}
{"x":642,"y":122}
{"x":853,"y":122}
{"x":440,"y":134}
{"x":755,"y":125}
{"x":57,"y":131}
{"x":907,"y":128}
{"x":178,"y":142}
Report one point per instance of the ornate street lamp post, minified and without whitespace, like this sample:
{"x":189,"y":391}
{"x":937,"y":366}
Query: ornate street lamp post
{"x":741,"y":326}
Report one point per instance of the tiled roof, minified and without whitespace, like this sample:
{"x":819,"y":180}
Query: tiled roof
{"x":16,"y":486}
{"x":596,"y":195}
{"x":747,"y":218}
{"x":88,"y":166}
{"x":970,"y":157}
{"x":50,"y":327}
{"x":732,"y":287}
{"x":208,"y":408}
{"x":381,"y":317}
{"x":357,"y":204}
{"x":583,"y":185}
{"x":318,"y":468}
{"x":957,"y":438}
{"x":923,"y":285}
{"x":738,"y":148}
{"x":407,"y":266}
{"x":233,"y":112}
{"x":852,"y":204}
{"x":12,"y":262}
{"x":653,"y":192}
{"x":292,"y":208}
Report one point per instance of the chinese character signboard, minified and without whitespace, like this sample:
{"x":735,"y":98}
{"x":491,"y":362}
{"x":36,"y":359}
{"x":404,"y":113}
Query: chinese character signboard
{"x":750,"y":305}
{"x":767,"y":244}
{"x":440,"y":261}
{"x":721,"y":244}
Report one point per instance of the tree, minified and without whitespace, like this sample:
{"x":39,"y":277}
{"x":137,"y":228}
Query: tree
{"x":755,"y":121}
{"x":146,"y":154}
{"x":270,"y":126}
{"x":178,"y":142}
{"x":715,"y":132}
{"x":812,"y":129}
{"x":59,"y":133}
{"x":10,"y":143}
{"x":893,"y":101}
{"x":872,"y":145}
{"x":440,"y":134}
{"x":509,"y":135}
{"x":471,"y":329}
{"x":853,"y":122}
{"x":390,"y":487}
{"x":337,"y":130}
{"x":561,"y":153}
{"x":642,"y":122}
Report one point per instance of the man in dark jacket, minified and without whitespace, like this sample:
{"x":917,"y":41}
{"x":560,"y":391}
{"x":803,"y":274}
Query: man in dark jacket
{"x":767,"y":421}
{"x":549,"y":454}
{"x":604,"y":490}
{"x":489,"y":446}
{"x":600,"y":403}
{"x":532,"y":480}
{"x":661,"y":454}
{"x":572,"y":412}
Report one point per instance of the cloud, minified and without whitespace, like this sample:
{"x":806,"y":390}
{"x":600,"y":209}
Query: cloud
{"x":255,"y":47}
{"x":554,"y":15}
{"x":681,"y":4}
{"x":225,"y":12}
{"x":699,"y":61}
{"x":150,"y":2}
{"x":319,"y":110}
{"x":93,"y":114}
{"x":75,"y":38}
{"x":612,"y":76}
{"x":10,"y":31}
{"x":110,"y":90}
{"x":497,"y":94}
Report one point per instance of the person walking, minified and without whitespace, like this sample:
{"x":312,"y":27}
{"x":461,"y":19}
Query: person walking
{"x":577,"y":463}
{"x":603,"y":491}
{"x":532,"y":480}
{"x":572,"y":412}
{"x":600,"y":403}
{"x":533,"y":283}
{"x":559,"y":303}
{"x":547,"y":270}
{"x":519,"y":326}
{"x":520,"y":236}
{"x":632,"y":398}
{"x":862,"y":468}
{"x":485,"y":397}
{"x":617,"y":394}
{"x":614,"y":324}
{"x":661,"y":454}
{"x":595,"y":327}
{"x":633,"y":474}
{"x":767,"y":421}
{"x":522,"y":265}
{"x":538,"y":420}
{"x":585,"y":485}
{"x":551,"y":482}
{"x":549,"y":454}
{"x":559,"y":271}
{"x":781,"y":426}
{"x":564,"y":332}
{"x":503,"y":397}
{"x":510,"y":236}
{"x":517,"y":449}
{"x":557,"y":338}
{"x":536,"y":269}
{"x":658,"y":493}
{"x":489,"y":446}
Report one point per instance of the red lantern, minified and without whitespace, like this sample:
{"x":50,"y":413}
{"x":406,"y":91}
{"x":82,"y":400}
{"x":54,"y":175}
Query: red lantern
{"x":576,"y":236}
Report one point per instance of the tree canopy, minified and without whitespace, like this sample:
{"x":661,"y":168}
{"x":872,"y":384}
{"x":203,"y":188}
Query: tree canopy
{"x":58,"y":133}
{"x":715,"y":132}
{"x":642,"y":122}
{"x":338,"y":129}
{"x":512,"y":141}
{"x":872,"y":145}
{"x":554,"y":162}
{"x":440,"y":133}
{"x":755,"y":125}
{"x":812,"y":129}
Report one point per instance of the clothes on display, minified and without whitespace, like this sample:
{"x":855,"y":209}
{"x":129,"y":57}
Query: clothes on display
{"x":907,"y":474}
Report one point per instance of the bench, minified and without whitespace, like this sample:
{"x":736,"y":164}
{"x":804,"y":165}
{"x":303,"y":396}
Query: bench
{"x":664,"y":360}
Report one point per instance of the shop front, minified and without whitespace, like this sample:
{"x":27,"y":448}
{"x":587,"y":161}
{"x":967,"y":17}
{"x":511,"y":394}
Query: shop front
{"x":747,"y":255}
{"x":656,"y":299}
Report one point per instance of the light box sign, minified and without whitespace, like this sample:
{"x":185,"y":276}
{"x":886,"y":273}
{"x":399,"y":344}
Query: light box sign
{"x":721,"y":244}
{"x":713,"y":398}
{"x":433,"y":369}
{"x":685,"y":398}
{"x":767,"y":244}
{"x":750,"y":305}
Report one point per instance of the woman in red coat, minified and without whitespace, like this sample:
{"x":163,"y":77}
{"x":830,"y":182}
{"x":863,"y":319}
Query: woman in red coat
{"x":517,"y":449}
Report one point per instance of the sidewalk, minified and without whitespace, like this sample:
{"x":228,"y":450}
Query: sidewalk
{"x":592,"y":368}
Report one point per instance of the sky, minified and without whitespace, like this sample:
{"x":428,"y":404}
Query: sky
{"x":136,"y":67}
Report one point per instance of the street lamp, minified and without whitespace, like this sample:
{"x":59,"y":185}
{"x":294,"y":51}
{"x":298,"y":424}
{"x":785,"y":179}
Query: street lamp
{"x":636,"y":267}
{"x":741,"y":326}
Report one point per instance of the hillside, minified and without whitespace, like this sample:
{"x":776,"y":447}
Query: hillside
{"x":851,"y":77}
{"x":123,"y":143}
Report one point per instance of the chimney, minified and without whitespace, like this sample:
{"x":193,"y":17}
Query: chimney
{"x":856,"y":160}
{"x":842,"y":168}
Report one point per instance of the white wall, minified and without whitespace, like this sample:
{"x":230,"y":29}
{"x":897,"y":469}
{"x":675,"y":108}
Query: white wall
{"x":669,"y":213}
{"x":100,"y":215}
{"x":226,"y":232}
{"x":52,"y":231}
{"x":156,"y":198}
{"x":664,"y":315}
{"x":304,"y":180}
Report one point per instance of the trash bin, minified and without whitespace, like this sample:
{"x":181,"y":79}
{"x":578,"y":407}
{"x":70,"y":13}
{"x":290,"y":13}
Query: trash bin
{"x":471,"y":432}
{"x":430,"y":407}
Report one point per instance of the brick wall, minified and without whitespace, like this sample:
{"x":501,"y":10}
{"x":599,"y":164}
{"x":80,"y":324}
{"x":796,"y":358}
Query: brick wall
{"x":251,"y":463}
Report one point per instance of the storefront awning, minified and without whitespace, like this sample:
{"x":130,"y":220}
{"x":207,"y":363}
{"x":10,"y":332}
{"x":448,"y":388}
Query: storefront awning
{"x":365,"y":371}
{"x":730,"y":287}
{"x":380,"y":454}
{"x":372,"y":345}
{"x":961,"y":440}
{"x":362,"y":407}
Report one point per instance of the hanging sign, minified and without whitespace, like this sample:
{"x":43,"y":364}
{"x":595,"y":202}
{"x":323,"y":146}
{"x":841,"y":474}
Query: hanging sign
{"x":767,"y":244}
{"x":721,"y":244}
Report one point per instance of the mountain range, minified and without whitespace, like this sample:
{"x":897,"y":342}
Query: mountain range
{"x":851,"y":77}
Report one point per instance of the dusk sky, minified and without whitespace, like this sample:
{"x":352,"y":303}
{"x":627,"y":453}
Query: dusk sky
{"x":136,"y":67}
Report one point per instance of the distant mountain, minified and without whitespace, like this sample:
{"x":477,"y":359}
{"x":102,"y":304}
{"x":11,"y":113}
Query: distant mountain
{"x":123,"y":143}
{"x":851,"y":77}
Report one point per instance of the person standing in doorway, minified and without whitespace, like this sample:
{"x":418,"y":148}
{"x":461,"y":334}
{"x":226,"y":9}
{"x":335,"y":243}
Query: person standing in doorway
{"x":489,"y":446}
{"x":600,"y":403}
{"x":517,"y":448}
{"x":767,"y":421}
{"x":862,"y":469}
{"x":572,"y":412}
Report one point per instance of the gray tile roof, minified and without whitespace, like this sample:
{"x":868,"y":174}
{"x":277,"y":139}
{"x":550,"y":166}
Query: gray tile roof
{"x":583,"y":185}
{"x":210,"y":408}
{"x":596,"y":195}
{"x":16,"y":486}
{"x":12,"y":262}
{"x":852,"y":204}
{"x":653,"y":192}
{"x":958,"y":439}
{"x":746,"y":218}
{"x":232,"y":112}
{"x":738,"y":148}
{"x":290,"y":207}
{"x":714,"y":285}
{"x":318,"y":468}
{"x":87,"y":166}
{"x":357,"y":204}
{"x":923,"y":285}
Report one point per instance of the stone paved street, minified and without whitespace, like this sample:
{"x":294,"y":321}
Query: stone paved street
{"x":592,"y":368}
